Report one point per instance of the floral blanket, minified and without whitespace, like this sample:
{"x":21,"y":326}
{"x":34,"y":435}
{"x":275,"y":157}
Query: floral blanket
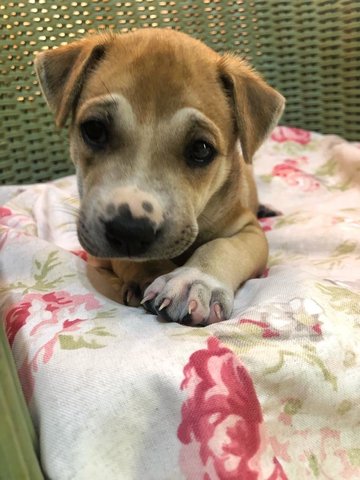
{"x":273,"y":393}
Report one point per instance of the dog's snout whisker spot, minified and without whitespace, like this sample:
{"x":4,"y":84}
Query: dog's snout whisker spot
{"x":111,"y":209}
{"x":147,"y":206}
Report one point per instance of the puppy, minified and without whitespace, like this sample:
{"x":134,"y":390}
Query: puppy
{"x":162,"y":133}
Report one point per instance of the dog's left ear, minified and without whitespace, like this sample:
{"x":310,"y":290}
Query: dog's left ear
{"x":257,"y":106}
{"x":62,"y":73}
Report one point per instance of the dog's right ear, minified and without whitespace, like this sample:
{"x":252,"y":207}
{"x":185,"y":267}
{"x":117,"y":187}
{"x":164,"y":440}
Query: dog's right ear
{"x":62,"y":72}
{"x":257,"y":106}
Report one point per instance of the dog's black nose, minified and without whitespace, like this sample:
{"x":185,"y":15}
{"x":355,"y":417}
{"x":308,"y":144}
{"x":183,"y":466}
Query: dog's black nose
{"x":128,"y":235}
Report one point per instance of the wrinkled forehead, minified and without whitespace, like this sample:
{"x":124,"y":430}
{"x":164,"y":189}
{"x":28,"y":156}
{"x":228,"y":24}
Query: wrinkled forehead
{"x":117,"y":108}
{"x":159,"y":82}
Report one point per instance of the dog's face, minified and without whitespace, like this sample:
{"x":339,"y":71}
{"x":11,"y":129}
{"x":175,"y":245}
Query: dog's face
{"x":156,"y":116}
{"x":151,"y":140}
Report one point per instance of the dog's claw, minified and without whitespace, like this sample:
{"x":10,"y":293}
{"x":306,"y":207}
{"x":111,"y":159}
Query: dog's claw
{"x":166,"y":302}
{"x":149,"y":296}
{"x":129,"y":295}
{"x":218,"y":311}
{"x":192,"y":306}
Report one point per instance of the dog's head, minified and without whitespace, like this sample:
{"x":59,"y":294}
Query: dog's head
{"x":155,"y":122}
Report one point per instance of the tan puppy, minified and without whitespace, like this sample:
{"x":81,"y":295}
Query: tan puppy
{"x":162,"y":134}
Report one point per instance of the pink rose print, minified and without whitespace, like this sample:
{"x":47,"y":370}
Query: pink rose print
{"x":289,"y":134}
{"x":298,"y":317}
{"x":16,"y":222}
{"x":5,"y":212}
{"x":266,"y":329}
{"x":3,"y":237}
{"x":221,"y":429}
{"x":12,"y":219}
{"x":15,"y":319}
{"x":294,"y":176}
{"x":50,"y":315}
{"x":278,"y":473}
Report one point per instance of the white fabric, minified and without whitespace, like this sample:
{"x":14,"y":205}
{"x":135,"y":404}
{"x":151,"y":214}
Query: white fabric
{"x":274,"y":392}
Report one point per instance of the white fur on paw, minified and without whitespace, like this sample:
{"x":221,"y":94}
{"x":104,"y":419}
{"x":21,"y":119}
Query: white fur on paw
{"x":188,"y":296}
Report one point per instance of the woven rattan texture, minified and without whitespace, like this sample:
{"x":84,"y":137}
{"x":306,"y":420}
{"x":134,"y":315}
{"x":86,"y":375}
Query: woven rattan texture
{"x":308,"y":49}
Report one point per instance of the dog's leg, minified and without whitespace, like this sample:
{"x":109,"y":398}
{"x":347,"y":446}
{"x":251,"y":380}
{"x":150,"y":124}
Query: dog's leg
{"x":202,"y":291}
{"x":125,"y":281}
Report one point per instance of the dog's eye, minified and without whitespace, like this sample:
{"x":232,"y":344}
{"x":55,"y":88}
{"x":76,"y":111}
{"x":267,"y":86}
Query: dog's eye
{"x":94,"y":133}
{"x":200,"y":153}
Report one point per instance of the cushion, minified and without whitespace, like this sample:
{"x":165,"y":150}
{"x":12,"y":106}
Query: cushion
{"x":271,"y":393}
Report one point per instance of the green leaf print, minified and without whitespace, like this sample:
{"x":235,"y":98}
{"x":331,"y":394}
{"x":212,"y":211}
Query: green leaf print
{"x":100,"y":331}
{"x":345,"y":248}
{"x":49,"y":264}
{"x":292,"y":406}
{"x":192,"y":332}
{"x":42,"y":271}
{"x":310,"y":358}
{"x":275,"y":368}
{"x":295,"y":149}
{"x":291,"y":219}
{"x":344,"y":407}
{"x":327,"y":169}
{"x":349,"y":359}
{"x":281,"y":258}
{"x":266,"y":178}
{"x":68,"y":342}
{"x":340,"y":254}
{"x":341,"y":186}
{"x":106,"y":314}
{"x":354,"y":456}
{"x":341,"y":299}
{"x":314,"y":465}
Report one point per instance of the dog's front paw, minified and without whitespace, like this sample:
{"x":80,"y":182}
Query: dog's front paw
{"x":188,"y":296}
